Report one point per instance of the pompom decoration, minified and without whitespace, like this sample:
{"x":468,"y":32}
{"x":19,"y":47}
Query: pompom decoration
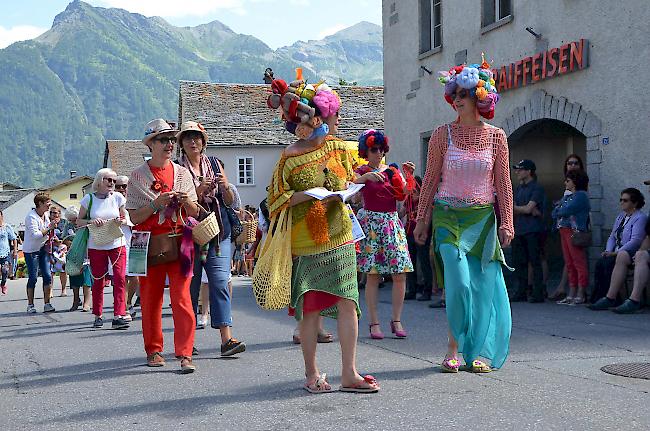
{"x":478,"y":79}
{"x":372,"y":138}
{"x":303,"y":106}
{"x":468,"y":78}
{"x":328,"y":103}
{"x":317,"y":224}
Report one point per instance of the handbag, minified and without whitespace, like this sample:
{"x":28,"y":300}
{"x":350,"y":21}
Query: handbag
{"x":582,"y":239}
{"x":236,"y":227}
{"x":74,"y":260}
{"x":207,"y":229}
{"x":249,"y":231}
{"x":163,"y":248}
{"x":272,"y":274}
{"x":107,"y":233}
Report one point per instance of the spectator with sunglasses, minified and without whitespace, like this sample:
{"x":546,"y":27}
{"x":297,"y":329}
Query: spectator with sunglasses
{"x":98,"y":208}
{"x":625,"y":240}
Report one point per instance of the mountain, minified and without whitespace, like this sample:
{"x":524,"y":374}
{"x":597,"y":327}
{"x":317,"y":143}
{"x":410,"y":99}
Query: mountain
{"x":103,"y":73}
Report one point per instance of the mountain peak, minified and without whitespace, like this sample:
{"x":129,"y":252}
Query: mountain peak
{"x":362,"y":31}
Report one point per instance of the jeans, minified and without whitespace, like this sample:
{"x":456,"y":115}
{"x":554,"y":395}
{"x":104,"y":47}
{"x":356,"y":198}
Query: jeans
{"x":420,"y":257}
{"x":5,"y":267}
{"x":526,"y":248}
{"x":34,"y":261}
{"x":217,"y":268}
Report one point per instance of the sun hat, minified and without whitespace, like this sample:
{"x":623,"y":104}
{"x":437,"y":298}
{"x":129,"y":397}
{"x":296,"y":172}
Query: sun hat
{"x":192,"y":126}
{"x":478,"y":79}
{"x":156,"y":127}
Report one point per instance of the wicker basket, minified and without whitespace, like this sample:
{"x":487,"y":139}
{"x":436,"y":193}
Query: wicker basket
{"x":206,"y":230}
{"x":249,"y":234}
{"x":106,"y":233}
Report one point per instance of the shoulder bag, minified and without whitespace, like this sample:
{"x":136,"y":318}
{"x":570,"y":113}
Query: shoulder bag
{"x":236,"y":227}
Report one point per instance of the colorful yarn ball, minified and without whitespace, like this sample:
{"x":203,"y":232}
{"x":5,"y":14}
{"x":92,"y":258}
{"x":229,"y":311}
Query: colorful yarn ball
{"x":451,"y":86}
{"x":481,"y":93}
{"x":468,"y":78}
{"x":328,"y":103}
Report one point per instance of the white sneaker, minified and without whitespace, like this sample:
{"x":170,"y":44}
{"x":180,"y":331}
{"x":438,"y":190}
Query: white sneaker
{"x":48,"y":308}
{"x":132,"y":312}
{"x":127,"y":317}
{"x":201,"y":321}
{"x":31,"y":309}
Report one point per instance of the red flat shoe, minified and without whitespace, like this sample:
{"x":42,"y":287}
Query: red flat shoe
{"x":368,"y":385}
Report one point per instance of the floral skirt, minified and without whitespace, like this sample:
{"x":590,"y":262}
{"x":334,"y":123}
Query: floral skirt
{"x":384,"y":250}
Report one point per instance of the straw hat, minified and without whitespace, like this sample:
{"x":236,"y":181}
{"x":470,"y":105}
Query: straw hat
{"x":156,"y":127}
{"x":192,"y":126}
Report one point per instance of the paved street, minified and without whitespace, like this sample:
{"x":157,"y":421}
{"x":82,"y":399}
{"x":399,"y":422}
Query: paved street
{"x":58,"y":373}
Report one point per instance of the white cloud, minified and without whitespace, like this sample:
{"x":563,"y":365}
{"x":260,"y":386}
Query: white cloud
{"x":17,"y":33}
{"x":175,"y":8}
{"x":331,"y":30}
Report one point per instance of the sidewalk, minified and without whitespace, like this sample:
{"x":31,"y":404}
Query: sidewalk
{"x":59,"y":373}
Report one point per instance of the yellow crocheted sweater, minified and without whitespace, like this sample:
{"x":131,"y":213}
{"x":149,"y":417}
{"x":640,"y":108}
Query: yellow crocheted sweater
{"x":316,"y":228}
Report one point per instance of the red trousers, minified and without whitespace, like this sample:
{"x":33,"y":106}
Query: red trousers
{"x":575,"y":260}
{"x":151,"y":301}
{"x":99,"y":268}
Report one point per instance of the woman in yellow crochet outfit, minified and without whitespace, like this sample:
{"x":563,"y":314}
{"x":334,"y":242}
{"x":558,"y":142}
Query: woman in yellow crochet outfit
{"x":324,"y":267}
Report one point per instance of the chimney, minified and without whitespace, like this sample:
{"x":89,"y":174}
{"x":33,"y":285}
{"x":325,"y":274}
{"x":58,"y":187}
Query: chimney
{"x":73,"y":174}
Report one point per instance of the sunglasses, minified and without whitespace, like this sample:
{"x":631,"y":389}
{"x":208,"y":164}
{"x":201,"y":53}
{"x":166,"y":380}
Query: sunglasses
{"x":461,"y":94}
{"x":120,"y":186}
{"x":110,"y":180}
{"x":375,"y":150}
{"x":166,"y":140}
{"x":623,"y":200}
{"x":573,"y":163}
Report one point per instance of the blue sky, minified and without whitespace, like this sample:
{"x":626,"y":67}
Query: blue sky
{"x":276,"y":22}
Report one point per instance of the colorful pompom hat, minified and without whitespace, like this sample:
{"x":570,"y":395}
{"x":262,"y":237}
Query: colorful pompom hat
{"x":478,"y":79}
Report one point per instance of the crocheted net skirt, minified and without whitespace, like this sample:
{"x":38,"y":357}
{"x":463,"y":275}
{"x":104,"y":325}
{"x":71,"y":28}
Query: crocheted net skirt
{"x":321,"y":280}
{"x":384,"y":250}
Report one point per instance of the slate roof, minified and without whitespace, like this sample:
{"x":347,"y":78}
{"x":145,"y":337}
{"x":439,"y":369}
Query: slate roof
{"x":237,"y":114}
{"x":82,"y":178}
{"x":10,"y":197}
{"x":123,"y":156}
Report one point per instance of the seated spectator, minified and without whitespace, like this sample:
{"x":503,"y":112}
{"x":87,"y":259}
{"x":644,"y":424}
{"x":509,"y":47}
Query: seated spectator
{"x":627,"y":234}
{"x":572,"y":213}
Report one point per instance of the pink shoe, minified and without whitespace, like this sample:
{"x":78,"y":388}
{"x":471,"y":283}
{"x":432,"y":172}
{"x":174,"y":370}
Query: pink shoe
{"x":377,"y":335}
{"x":398,"y":333}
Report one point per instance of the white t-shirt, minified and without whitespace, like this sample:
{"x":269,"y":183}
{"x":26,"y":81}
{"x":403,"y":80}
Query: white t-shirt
{"x":106,"y":209}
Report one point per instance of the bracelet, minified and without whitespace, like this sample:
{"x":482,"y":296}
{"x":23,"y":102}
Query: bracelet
{"x":154,"y":207}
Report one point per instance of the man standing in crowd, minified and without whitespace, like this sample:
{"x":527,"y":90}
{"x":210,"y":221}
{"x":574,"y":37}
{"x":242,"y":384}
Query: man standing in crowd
{"x":8,"y":252}
{"x":529,"y":227}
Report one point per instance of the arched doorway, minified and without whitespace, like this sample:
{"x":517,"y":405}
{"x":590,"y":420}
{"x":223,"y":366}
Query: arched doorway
{"x":548,"y":142}
{"x":547,"y":129}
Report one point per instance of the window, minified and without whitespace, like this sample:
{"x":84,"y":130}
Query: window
{"x":430,"y":26}
{"x":245,"y":171}
{"x":495,"y":10}
{"x":73,"y":196}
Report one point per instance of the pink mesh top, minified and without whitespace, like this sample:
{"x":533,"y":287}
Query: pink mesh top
{"x":466,"y":165}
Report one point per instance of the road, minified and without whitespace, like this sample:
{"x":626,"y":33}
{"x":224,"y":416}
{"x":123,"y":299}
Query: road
{"x":59,"y":373}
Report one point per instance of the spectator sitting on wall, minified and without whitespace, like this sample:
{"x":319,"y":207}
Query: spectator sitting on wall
{"x":626,"y":237}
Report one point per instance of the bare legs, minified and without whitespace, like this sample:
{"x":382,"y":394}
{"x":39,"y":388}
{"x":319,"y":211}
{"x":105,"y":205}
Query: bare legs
{"x":372,"y":294}
{"x":641,"y":274}
{"x":619,"y":274}
{"x":63,"y":277}
{"x":452,"y":346}
{"x":347,"y":326}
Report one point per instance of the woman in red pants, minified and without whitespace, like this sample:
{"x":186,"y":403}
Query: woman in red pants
{"x":161,"y":195}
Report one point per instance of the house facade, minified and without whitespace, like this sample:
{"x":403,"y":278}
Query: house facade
{"x":69,"y":192}
{"x":563,"y":73}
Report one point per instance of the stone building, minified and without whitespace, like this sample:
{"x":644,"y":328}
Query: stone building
{"x":566,"y":73}
{"x":249,"y":137}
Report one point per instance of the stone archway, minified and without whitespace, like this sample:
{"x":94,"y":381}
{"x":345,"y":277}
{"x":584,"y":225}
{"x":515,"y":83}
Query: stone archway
{"x":545,"y":106}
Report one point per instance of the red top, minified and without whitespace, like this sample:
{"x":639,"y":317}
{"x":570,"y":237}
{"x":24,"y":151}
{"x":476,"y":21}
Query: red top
{"x":165,"y":176}
{"x":383,"y":197}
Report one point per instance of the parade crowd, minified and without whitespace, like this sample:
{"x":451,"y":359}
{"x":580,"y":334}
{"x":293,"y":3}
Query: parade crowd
{"x":441,"y":234}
